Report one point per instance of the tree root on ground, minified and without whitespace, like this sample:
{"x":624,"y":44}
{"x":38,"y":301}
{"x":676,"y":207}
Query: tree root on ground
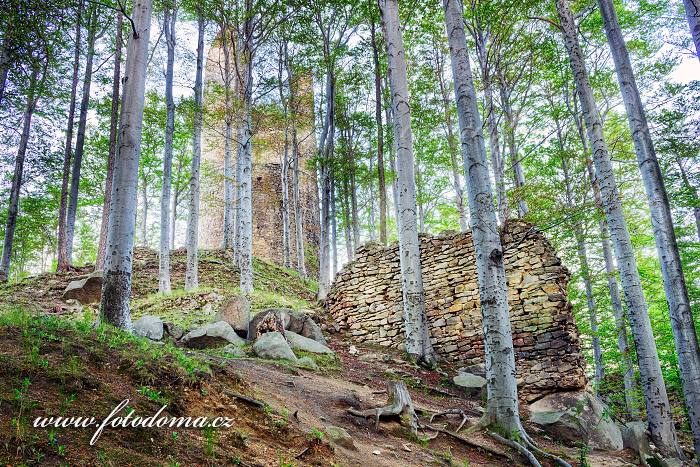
{"x":452,"y":412}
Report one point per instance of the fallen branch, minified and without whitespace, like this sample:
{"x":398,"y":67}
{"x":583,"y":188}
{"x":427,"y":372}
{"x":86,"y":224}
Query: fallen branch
{"x":244,"y":398}
{"x":468,"y":442}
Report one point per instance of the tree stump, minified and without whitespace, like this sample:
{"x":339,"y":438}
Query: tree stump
{"x":399,"y":404}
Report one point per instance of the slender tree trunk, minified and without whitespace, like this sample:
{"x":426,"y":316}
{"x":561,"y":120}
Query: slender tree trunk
{"x":658,"y":408}
{"x":284,"y":165}
{"x":5,"y":62}
{"x":112,"y":155}
{"x":326,"y":155}
{"x":631,"y":388}
{"x":451,"y":141}
{"x":692,"y":13}
{"x":144,"y":219}
{"x":80,"y":136}
{"x":63,"y":262}
{"x":355,"y":222}
{"x":492,"y":125}
{"x":173,"y":217}
{"x":502,"y":399}
{"x":191,"y":274}
{"x":169,"y":22}
{"x":334,"y":228}
{"x":229,"y":232}
{"x":518,"y":174}
{"x":116,"y":286}
{"x":418,"y":343}
{"x":380,"y":134}
{"x":13,"y":209}
{"x":296,"y":196}
{"x":246,"y":180}
{"x":347,"y":222}
{"x":682,"y":324}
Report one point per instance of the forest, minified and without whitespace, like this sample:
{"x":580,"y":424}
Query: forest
{"x":306,"y":133}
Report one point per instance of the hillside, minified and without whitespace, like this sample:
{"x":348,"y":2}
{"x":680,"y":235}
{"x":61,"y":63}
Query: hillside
{"x":54,"y":362}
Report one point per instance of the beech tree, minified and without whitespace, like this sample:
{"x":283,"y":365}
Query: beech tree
{"x":116,"y":286}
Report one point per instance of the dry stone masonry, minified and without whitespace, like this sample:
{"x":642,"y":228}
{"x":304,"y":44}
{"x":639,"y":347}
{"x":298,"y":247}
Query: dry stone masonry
{"x":365,"y":300}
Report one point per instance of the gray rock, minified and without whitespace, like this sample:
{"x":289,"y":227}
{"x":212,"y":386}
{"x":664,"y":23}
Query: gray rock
{"x":340,"y":437}
{"x":86,"y":290}
{"x":577,"y":416}
{"x":274,"y":346}
{"x":236,"y":312}
{"x":149,"y":326}
{"x":478,"y":369}
{"x":634,"y":437}
{"x":173,"y":330}
{"x":474,"y":385}
{"x":304,"y":343}
{"x":308,"y":363}
{"x":212,"y":335}
{"x":233,"y":350}
{"x":295,"y":321}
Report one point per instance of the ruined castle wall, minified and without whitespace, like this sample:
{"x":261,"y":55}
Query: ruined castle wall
{"x":268,"y":147}
{"x":365,"y":300}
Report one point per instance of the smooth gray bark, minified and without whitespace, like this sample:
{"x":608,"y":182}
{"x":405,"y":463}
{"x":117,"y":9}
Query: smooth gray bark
{"x":170,"y":19}
{"x":113,"y":129}
{"x":80,"y":135}
{"x":510,"y":124}
{"x":380,"y":134}
{"x":682,"y":324}
{"x":229,"y":180}
{"x":325,"y":155}
{"x":660,"y":421}
{"x":296,"y":195}
{"x":191,"y":274}
{"x":418,"y":344}
{"x":63,"y":263}
{"x":502,"y":399}
{"x":284,"y":162}
{"x":116,"y":286}
{"x":692,"y":14}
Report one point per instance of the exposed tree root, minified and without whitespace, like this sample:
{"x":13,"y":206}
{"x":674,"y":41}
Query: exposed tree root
{"x":518,"y":447}
{"x":398,"y":404}
{"x":452,"y":412}
{"x":466,"y":441}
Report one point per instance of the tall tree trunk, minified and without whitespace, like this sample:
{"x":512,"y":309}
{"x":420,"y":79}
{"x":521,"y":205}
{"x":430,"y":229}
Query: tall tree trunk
{"x":80,"y":136}
{"x":191,"y":274}
{"x":63,"y":262}
{"x":113,"y":128}
{"x":355,"y":221}
{"x":284,"y":165}
{"x":347,"y":222}
{"x":492,"y":125}
{"x":692,"y":13}
{"x":116,"y":286}
{"x":518,"y":174}
{"x":584,"y":265}
{"x":144,"y":218}
{"x":246,"y":172}
{"x":630,"y":383}
{"x":296,"y":196}
{"x":682,"y":323}
{"x":502,"y":401}
{"x":325,"y":156}
{"x":418,"y":343}
{"x":660,"y":422}
{"x":5,"y":62}
{"x":169,"y":22}
{"x":13,"y":209}
{"x":451,"y":139}
{"x":380,"y":134}
{"x":229,"y":232}
{"x":334,"y":227}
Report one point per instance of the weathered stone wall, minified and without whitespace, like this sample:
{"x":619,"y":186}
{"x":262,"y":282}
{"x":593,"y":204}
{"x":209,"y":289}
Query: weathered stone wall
{"x":268,"y":147}
{"x":365,"y":300}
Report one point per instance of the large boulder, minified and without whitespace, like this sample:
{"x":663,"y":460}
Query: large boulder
{"x":295,"y":321}
{"x":304,"y":343}
{"x":236,"y":312}
{"x":634,"y":437}
{"x":474,"y":385}
{"x":273,"y":346}
{"x":577,"y":416}
{"x":149,"y":326}
{"x":212,"y":335}
{"x":85,"y":290}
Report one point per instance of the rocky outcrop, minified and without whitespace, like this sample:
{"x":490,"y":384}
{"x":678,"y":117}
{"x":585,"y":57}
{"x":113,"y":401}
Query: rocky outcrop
{"x":366,"y":302}
{"x":216,"y":334}
{"x":236,"y":312}
{"x":85,"y":290}
{"x":577,"y":416}
{"x":150,"y":327}
{"x":273,"y":346}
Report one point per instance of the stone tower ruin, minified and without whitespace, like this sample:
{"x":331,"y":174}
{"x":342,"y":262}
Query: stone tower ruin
{"x":268,"y":148}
